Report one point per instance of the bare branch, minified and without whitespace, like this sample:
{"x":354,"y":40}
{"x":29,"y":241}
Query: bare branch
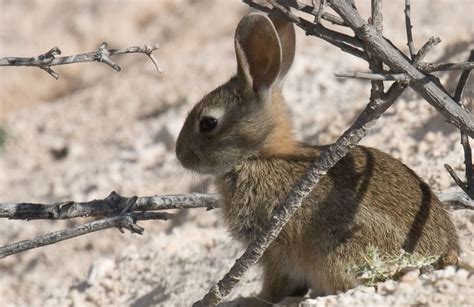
{"x":385,"y":76}
{"x":458,"y":181}
{"x":426,"y":86}
{"x":337,"y":39}
{"x":375,"y":64}
{"x":112,"y":204}
{"x":455,"y":177}
{"x":425,"y":49}
{"x":456,"y":200}
{"x":317,"y":12}
{"x":372,"y":76}
{"x":411,"y":46}
{"x":48,"y":59}
{"x":125,"y":220}
{"x":317,"y":29}
{"x":463,"y":79}
{"x":467,"y":187}
{"x":303,"y":187}
{"x":431,"y":67}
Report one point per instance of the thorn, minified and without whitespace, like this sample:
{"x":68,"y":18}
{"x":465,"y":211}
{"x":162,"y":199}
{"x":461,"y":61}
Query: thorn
{"x":51,"y":72}
{"x":105,"y":59}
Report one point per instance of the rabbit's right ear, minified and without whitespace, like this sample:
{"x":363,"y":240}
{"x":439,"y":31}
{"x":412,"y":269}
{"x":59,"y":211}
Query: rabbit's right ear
{"x":287,"y":36}
{"x":258,"y":51}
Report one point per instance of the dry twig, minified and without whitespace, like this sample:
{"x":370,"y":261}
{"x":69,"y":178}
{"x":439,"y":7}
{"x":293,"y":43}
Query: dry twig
{"x":411,"y":45}
{"x":333,"y":37}
{"x":468,"y":186}
{"x":123,"y":220}
{"x":432,"y":41}
{"x":112,"y":204}
{"x":317,"y":12}
{"x":367,"y":39}
{"x":426,"y":86}
{"x":119,"y":211}
{"x":375,"y":64}
{"x":372,"y":76}
{"x":387,"y":76}
{"x":456,"y":200}
{"x":48,"y":59}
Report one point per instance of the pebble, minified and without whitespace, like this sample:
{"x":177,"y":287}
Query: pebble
{"x":387,"y":287}
{"x":410,"y":277}
{"x":448,"y":272}
{"x":99,"y":270}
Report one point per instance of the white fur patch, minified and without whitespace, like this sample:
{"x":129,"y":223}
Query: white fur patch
{"x":214,"y":112}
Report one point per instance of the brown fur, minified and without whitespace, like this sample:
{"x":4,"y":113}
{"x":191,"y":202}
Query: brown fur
{"x":367,"y":198}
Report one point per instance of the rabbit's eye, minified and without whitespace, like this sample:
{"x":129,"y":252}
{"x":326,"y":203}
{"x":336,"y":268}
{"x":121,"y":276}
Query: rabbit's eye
{"x":207,"y":123}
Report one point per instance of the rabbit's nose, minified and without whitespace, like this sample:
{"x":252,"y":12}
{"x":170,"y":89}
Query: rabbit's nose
{"x":187,"y":158}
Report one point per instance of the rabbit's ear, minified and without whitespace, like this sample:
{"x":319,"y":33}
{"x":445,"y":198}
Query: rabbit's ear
{"x":258,"y":52}
{"x":286,"y":33}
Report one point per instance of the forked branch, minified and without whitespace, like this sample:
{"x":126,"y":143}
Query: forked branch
{"x":125,"y":219}
{"x":47,"y":60}
{"x":119,"y":211}
{"x":112,"y":204}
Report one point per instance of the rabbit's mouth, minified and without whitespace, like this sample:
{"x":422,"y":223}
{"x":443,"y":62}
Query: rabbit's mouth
{"x":215,"y":170}
{"x":191,"y":161}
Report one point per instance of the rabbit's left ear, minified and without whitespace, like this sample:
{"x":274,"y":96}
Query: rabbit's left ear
{"x":258,"y":52}
{"x":286,"y":34}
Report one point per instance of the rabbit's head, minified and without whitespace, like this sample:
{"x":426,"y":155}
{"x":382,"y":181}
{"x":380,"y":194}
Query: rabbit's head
{"x":246,"y":116}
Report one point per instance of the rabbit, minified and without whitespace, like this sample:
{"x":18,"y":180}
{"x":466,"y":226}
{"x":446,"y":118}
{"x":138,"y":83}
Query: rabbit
{"x":241,"y":132}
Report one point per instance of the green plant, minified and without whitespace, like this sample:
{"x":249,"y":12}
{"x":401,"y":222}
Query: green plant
{"x":3,"y":137}
{"x":379,"y":266}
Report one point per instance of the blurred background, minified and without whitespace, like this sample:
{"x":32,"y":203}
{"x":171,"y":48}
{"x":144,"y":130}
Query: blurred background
{"x":94,"y":131}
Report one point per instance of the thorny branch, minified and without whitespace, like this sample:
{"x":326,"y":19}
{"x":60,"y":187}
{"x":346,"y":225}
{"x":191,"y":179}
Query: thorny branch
{"x":409,"y":27}
{"x":375,"y":46}
{"x":427,"y":86}
{"x":468,"y":186}
{"x":387,"y":76}
{"x":48,"y":59}
{"x":375,"y":64}
{"x":342,"y":41}
{"x":125,"y":220}
{"x":372,"y":76}
{"x":112,"y":204}
{"x":119,"y":211}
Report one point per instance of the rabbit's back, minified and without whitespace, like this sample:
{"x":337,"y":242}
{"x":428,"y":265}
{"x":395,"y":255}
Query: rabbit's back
{"x":367,"y":198}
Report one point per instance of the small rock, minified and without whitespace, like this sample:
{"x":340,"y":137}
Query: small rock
{"x":387,"y":287}
{"x":462,"y":276}
{"x":99,"y":269}
{"x":448,"y":272}
{"x":410,"y":277}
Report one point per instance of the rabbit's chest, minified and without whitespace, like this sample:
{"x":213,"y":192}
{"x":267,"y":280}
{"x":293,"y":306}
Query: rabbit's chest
{"x":250,"y":194}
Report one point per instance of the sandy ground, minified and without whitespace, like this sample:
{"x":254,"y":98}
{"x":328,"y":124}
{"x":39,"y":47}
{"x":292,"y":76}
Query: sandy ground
{"x":119,"y":131}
